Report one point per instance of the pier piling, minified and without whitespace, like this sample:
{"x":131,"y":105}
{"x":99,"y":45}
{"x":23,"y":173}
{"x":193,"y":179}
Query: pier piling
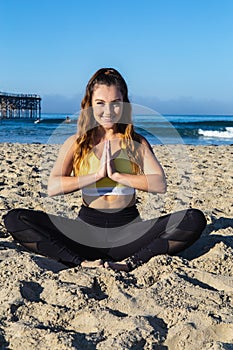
{"x":19,"y":106}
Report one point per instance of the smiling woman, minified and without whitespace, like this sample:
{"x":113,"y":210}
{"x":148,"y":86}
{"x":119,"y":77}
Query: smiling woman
{"x":107,"y":105}
{"x":107,"y":160}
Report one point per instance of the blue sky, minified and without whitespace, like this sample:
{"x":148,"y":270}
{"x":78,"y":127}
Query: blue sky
{"x":176,"y":55}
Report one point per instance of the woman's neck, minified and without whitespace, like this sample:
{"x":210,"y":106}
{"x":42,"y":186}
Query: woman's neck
{"x":108,"y":134}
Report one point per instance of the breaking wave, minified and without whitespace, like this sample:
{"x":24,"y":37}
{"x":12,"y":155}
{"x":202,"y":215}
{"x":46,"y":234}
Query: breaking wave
{"x":226,"y":134}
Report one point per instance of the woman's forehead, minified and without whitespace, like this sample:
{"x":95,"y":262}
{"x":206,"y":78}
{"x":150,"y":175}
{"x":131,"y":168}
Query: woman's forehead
{"x":103,"y":91}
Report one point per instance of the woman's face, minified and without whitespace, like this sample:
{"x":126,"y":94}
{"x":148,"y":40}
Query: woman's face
{"x":107,"y":103}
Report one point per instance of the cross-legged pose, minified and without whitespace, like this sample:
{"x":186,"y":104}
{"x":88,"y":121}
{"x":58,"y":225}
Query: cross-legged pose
{"x":107,"y":160}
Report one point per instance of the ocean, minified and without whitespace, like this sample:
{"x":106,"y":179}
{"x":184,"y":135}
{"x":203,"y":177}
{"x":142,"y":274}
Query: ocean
{"x":158,"y":129}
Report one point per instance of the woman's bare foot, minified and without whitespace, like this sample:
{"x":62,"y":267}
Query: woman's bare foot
{"x":117,"y":266}
{"x":92,"y":264}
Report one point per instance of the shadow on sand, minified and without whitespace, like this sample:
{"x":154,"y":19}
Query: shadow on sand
{"x":207,"y":241}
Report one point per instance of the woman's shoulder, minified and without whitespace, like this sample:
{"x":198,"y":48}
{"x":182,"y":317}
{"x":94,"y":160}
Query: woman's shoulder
{"x":141,"y":139}
{"x":145,"y":145}
{"x":69,"y":142}
{"x":71,"y":139}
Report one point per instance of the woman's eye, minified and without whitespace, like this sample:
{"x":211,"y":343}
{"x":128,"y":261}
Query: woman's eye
{"x":112,"y":104}
{"x":116,"y":104}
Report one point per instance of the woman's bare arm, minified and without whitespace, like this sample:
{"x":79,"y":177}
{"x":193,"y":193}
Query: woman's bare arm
{"x":153,"y":177}
{"x":61,"y":181}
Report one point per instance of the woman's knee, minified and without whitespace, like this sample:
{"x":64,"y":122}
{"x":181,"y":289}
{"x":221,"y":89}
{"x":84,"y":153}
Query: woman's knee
{"x":193,"y":225}
{"x":12,"y":220}
{"x":10,"y":217}
{"x":197,"y":219}
{"x":18,"y":223}
{"x":190,"y":225}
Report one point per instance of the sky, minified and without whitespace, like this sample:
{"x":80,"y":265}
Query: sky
{"x":175,"y":55}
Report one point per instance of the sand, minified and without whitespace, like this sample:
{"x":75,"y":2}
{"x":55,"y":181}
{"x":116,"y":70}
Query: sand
{"x":180,"y":302}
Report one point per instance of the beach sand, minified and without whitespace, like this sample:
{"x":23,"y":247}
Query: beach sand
{"x":178,"y":303}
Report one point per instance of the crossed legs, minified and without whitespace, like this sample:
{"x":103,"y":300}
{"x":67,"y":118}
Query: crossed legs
{"x":168,"y":234}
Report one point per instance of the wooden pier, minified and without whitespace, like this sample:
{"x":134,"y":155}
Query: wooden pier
{"x":14,"y":106}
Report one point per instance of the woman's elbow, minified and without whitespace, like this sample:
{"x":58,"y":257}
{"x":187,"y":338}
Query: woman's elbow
{"x":157,"y":184}
{"x":163,"y":185}
{"x":163,"y":188}
{"x":52,"y":188}
{"x":51,"y":192}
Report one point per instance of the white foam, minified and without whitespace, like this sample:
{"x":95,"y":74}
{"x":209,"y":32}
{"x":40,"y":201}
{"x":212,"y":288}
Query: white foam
{"x":227,"y":134}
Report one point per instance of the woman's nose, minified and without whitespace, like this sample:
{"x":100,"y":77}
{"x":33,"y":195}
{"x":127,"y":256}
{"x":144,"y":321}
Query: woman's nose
{"x":107,"y":109}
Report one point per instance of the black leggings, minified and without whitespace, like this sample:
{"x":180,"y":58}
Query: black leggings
{"x":112,"y":235}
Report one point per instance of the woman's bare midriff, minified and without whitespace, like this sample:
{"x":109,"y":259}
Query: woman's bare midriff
{"x":109,"y":202}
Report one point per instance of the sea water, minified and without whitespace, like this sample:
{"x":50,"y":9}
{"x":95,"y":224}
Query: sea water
{"x":158,"y":129}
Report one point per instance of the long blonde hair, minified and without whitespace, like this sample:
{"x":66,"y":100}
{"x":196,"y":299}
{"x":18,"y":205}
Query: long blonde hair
{"x":88,"y":128}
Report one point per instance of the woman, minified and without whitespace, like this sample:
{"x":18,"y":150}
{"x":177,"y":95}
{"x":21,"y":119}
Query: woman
{"x":107,"y":160}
